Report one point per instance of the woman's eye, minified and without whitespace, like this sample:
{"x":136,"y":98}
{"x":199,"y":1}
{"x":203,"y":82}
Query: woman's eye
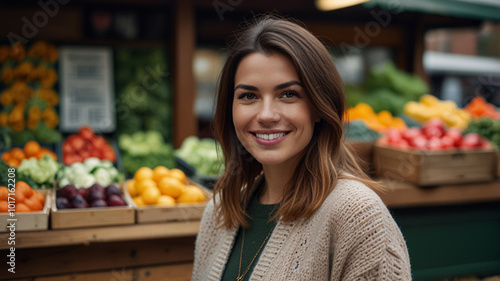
{"x":289,"y":94}
{"x":246,"y":96}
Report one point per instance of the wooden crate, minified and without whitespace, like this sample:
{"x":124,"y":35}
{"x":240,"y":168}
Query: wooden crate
{"x":32,"y":221}
{"x":91,"y":217}
{"x":179,"y":212}
{"x":435,"y":167}
{"x":498,"y":164}
{"x":364,"y":151}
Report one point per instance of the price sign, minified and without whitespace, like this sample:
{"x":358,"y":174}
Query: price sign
{"x":86,"y":86}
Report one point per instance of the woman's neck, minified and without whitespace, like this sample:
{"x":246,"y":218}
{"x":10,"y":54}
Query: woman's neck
{"x":276,"y":178}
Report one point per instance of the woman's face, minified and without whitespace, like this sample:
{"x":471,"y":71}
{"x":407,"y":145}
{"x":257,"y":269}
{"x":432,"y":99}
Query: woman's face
{"x":272,"y":115}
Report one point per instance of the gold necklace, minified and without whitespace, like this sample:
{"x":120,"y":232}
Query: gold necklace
{"x":241,"y":276}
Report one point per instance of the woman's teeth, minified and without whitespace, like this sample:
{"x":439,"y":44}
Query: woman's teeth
{"x":270,"y":136}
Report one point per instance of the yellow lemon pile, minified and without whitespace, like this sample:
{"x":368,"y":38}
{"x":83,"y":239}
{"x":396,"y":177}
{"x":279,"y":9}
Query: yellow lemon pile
{"x":162,"y":187}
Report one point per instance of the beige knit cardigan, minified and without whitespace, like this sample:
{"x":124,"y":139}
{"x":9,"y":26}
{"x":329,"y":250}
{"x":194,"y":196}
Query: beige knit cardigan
{"x":352,"y":236}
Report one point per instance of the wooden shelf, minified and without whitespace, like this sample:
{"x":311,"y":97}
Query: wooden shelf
{"x":403,"y":194}
{"x":86,"y":236}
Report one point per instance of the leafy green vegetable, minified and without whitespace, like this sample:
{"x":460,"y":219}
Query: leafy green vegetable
{"x":42,"y":171}
{"x":203,"y":154}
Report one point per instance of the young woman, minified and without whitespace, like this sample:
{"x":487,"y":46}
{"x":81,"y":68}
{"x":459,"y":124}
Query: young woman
{"x":292,"y":203}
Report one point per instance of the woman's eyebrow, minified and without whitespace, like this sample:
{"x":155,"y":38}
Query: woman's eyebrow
{"x":278,"y":87}
{"x":287,"y":84}
{"x":246,"y":87}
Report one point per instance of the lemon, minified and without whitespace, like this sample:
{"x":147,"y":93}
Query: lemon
{"x":171,"y":187}
{"x":138,"y":201}
{"x":130,"y":184}
{"x":150,"y":195}
{"x":143,"y":173}
{"x":191,"y":194}
{"x":160,"y":172}
{"x":165,"y":200}
{"x":141,"y":185}
{"x":178,"y":174}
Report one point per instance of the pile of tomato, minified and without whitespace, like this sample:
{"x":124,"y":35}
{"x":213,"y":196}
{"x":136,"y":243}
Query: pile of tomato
{"x":434,"y":136}
{"x":85,"y":144}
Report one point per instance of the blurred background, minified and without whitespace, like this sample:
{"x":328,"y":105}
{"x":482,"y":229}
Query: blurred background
{"x":127,"y":68}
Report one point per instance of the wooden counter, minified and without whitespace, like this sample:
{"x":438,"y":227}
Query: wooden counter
{"x":154,"y":251}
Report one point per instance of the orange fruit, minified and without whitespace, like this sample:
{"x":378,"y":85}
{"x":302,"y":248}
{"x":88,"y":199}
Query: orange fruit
{"x":159,"y":172}
{"x":6,"y":156}
{"x":4,"y":193}
{"x":191,"y":194}
{"x":44,"y":151}
{"x":33,"y":204}
{"x":141,"y":185}
{"x":13,"y":162}
{"x":178,"y":174}
{"x":138,"y":201}
{"x":166,"y":201}
{"x":130,"y":184}
{"x":24,"y":188}
{"x":171,"y":187}
{"x":21,"y":208}
{"x":17,"y":153}
{"x":19,"y":197}
{"x":39,"y":196}
{"x":143,"y":173}
{"x":4,"y":206}
{"x":31,"y":149}
{"x":151,"y":195}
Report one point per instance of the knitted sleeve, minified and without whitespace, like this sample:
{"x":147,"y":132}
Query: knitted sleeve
{"x":369,"y":245}
{"x":204,"y":243}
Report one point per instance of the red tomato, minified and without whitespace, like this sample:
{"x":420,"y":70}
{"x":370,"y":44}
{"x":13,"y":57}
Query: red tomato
{"x":433,"y":132}
{"x":435,"y":122}
{"x":95,"y":153}
{"x":419,"y":142}
{"x":447,"y":142}
{"x":67,"y":148}
{"x":434,"y":143}
{"x":472,"y":140}
{"x":76,"y":142}
{"x":108,"y":154}
{"x":98,"y":142}
{"x":403,"y":144}
{"x":86,"y":133}
{"x":393,"y":136}
{"x":71,"y":158}
{"x":455,"y":134}
{"x":410,"y":133}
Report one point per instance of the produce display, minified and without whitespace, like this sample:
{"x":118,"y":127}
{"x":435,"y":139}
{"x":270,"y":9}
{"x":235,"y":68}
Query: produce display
{"x":478,"y":108}
{"x":145,"y":149}
{"x":143,"y":91}
{"x":387,"y":88}
{"x":486,"y":127}
{"x":357,"y":131}
{"x":434,"y":136}
{"x":204,"y":155}
{"x":88,"y":173}
{"x":16,"y":155}
{"x":378,"y":122}
{"x":91,"y":197}
{"x":27,"y":95}
{"x":85,"y":144}
{"x":430,"y":107}
{"x":41,"y":171}
{"x":27,"y":199}
{"x":162,"y":187}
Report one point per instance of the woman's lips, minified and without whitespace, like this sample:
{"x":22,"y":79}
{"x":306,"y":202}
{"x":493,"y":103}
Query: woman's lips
{"x":270,"y":138}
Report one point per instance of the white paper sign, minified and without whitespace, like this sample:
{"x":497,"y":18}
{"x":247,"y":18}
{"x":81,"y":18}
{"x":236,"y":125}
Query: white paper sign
{"x":86,"y":86}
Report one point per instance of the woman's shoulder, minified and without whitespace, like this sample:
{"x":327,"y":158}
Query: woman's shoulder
{"x":352,"y":198}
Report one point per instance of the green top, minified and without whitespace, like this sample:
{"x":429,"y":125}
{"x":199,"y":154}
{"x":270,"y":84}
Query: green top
{"x":255,"y":235}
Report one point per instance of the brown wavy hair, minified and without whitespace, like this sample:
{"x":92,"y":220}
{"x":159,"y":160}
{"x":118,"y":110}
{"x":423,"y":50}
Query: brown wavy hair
{"x":325,"y":160}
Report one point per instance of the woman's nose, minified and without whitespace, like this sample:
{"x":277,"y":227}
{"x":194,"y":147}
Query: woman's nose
{"x":268,"y":112}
